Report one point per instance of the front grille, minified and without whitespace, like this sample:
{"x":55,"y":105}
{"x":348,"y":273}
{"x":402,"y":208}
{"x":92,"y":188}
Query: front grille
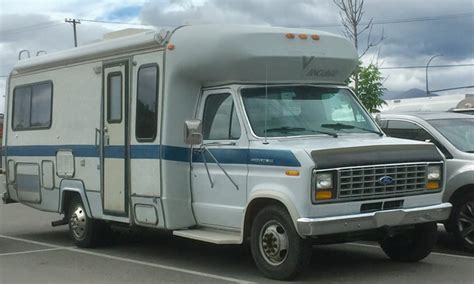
{"x":364,"y":182}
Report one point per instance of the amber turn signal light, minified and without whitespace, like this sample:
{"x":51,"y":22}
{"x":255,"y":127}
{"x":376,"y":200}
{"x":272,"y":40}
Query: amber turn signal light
{"x":433,"y":185}
{"x":323,"y":195}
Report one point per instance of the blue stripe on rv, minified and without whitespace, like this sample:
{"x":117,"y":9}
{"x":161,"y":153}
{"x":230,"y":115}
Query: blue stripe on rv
{"x":170,"y":153}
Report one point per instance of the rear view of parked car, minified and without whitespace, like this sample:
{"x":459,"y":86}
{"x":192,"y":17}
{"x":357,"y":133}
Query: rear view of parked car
{"x":453,"y":134}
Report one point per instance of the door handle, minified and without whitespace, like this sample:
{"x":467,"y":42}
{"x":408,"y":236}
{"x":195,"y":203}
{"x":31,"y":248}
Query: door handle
{"x":97,"y":137}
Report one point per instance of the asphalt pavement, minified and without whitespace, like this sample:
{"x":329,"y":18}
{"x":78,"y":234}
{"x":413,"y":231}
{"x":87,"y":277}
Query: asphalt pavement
{"x":31,"y":251}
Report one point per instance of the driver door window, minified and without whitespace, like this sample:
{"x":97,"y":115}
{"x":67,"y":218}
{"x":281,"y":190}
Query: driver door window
{"x":220,"y":121}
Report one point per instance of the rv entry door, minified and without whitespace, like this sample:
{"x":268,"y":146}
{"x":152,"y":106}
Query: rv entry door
{"x":114,"y":143}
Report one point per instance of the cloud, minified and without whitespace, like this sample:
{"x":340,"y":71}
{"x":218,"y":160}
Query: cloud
{"x":124,"y":13}
{"x":39,"y":25}
{"x":267,"y":12}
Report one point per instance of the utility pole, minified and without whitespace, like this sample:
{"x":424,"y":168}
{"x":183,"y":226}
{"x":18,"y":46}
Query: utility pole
{"x":73,"y":22}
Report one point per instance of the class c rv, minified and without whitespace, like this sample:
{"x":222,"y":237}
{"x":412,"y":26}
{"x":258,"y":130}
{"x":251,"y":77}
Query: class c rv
{"x":221,"y":134}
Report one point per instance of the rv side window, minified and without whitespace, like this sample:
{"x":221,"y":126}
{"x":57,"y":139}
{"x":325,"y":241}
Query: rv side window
{"x":32,"y":106}
{"x":147,"y":98}
{"x":220,"y":120}
{"x":114,"y":97}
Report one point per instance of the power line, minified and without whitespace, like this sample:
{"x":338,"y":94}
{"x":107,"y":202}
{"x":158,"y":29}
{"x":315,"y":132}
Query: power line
{"x":393,"y":21}
{"x":397,"y":21}
{"x":30,"y":28}
{"x":424,"y":66}
{"x":111,"y":22}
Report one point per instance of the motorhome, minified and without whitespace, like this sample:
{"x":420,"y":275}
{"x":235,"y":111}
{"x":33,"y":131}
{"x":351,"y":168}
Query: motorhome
{"x":222,"y":134}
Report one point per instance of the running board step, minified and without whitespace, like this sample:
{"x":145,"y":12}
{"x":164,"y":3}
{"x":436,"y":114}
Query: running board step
{"x":214,"y":236}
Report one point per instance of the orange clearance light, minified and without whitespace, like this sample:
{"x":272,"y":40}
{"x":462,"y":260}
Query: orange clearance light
{"x":292,"y":173}
{"x":302,"y":36}
{"x":171,"y":46}
{"x":432,"y":185}
{"x":315,"y":37}
{"x":324,"y":194}
{"x":290,"y":36}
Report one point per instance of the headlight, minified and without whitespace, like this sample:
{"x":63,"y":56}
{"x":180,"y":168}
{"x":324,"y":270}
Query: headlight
{"x":324,"y":181}
{"x":433,"y":177}
{"x":434,"y":172}
{"x":323,"y":186}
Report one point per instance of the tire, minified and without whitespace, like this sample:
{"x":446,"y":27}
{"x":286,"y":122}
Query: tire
{"x":277,"y":249}
{"x":83,"y":230}
{"x":411,"y":245}
{"x":462,"y":222}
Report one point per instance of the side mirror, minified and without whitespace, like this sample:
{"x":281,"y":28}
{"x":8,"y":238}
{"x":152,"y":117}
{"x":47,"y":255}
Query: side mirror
{"x":193,"y":132}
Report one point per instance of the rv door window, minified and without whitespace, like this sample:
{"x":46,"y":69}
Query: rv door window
{"x":32,"y":106}
{"x":220,"y":120}
{"x":114,"y":114}
{"x":147,"y":97}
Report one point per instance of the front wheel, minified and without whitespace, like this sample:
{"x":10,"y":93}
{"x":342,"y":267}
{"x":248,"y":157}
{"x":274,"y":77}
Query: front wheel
{"x":463,"y":222}
{"x":277,"y":249}
{"x":411,"y":245}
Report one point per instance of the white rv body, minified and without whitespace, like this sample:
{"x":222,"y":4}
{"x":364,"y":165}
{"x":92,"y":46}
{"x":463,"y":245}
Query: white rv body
{"x":90,"y":146}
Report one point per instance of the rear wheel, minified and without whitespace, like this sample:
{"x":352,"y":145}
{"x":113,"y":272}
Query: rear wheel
{"x":411,"y":245}
{"x":83,"y":230}
{"x":277,"y":249}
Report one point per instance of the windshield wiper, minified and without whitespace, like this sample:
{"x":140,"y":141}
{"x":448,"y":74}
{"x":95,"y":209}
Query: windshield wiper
{"x":339,"y":126}
{"x":286,"y":129}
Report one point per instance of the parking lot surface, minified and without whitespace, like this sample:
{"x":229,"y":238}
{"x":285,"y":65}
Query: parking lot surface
{"x":31,"y":251}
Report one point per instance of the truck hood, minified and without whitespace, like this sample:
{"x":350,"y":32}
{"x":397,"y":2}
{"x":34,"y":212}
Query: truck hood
{"x":351,"y":150}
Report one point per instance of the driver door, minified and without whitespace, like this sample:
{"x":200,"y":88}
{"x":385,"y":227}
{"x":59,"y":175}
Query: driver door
{"x":219,"y":188}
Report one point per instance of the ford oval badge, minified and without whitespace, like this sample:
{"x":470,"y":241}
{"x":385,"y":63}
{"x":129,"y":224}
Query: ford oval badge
{"x":386,"y":180}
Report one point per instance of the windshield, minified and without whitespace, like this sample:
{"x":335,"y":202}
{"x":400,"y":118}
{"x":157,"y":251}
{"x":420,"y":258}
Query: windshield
{"x":460,"y":132}
{"x":305,"y":110}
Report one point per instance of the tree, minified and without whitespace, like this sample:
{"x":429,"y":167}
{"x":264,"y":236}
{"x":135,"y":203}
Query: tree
{"x":371,"y":88}
{"x":352,"y":12}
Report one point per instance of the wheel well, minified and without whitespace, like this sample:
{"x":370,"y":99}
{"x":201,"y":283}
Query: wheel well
{"x":67,"y":197}
{"x":460,"y":192}
{"x":253,"y":208}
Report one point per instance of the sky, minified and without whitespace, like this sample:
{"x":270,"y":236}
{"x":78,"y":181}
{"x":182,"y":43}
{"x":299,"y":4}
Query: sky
{"x":413,"y":30}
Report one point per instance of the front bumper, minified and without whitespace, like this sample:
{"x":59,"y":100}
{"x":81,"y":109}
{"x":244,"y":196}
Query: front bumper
{"x":373,"y":220}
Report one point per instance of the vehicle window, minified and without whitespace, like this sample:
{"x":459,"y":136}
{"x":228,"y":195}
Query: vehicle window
{"x":460,"y":132}
{"x":32,"y":106}
{"x":407,"y":130}
{"x":147,"y":97}
{"x":114,"y":97}
{"x":220,"y":121}
{"x":304,"y":110}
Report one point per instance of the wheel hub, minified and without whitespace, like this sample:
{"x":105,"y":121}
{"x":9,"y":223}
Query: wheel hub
{"x":274,"y":243}
{"x":466,"y":222}
{"x":78,"y":222}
